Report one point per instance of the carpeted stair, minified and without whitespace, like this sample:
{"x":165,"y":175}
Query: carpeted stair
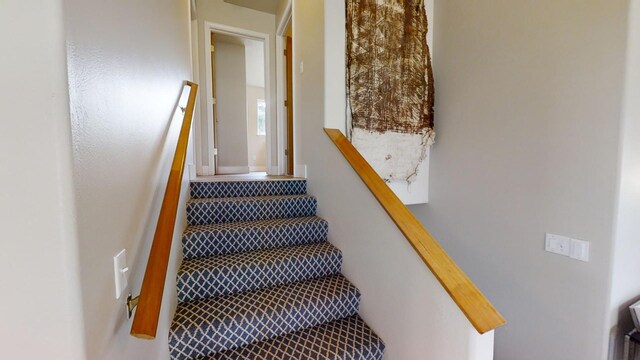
{"x":260,"y":281}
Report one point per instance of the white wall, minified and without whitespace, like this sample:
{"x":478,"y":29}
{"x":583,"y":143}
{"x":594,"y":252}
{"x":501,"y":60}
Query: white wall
{"x":220,"y":12}
{"x":126,"y":64}
{"x":40,"y":305}
{"x":401,"y":299}
{"x":528,"y":101}
{"x":257,"y":144}
{"x":254,"y":51}
{"x":625,"y":287}
{"x":231,"y":103}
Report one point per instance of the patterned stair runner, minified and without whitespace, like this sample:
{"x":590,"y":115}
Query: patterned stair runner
{"x":259,"y":279}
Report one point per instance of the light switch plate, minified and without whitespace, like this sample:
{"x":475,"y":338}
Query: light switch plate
{"x":579,"y":250}
{"x":557,"y":244}
{"x":121,"y":272}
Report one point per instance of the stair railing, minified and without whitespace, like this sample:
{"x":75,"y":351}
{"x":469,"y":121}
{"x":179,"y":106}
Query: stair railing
{"x":475,"y":306}
{"x":145,"y":322}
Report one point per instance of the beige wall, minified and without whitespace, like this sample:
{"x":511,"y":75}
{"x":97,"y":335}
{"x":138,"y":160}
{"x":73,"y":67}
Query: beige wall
{"x":40,"y":307}
{"x":528,"y":120}
{"x":401,"y":299}
{"x":257,"y":144}
{"x":220,"y":12}
{"x":625,"y":287}
{"x":126,"y":65}
{"x":231,"y":102}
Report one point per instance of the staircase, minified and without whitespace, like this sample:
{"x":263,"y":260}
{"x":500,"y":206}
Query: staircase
{"x":260,"y":281}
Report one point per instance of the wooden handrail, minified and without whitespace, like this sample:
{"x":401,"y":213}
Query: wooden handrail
{"x":145,"y":322}
{"x":480,"y":312}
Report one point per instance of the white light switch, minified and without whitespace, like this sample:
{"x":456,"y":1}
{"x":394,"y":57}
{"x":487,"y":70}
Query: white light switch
{"x":579,"y":250}
{"x":557,"y":244}
{"x":121,"y":272}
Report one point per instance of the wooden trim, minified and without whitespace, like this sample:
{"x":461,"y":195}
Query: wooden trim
{"x":289,"y":56}
{"x":480,"y":312}
{"x":145,"y":322}
{"x":214,"y":121}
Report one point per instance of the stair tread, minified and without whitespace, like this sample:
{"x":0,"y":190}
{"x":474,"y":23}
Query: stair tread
{"x":239,"y":272}
{"x":204,"y":327}
{"x":234,"y":209}
{"x":236,"y":237}
{"x":247,"y":187}
{"x":346,"y":338}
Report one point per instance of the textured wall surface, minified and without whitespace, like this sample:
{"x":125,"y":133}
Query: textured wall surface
{"x":625,"y":287}
{"x":126,"y":63}
{"x":40,"y":286}
{"x":401,"y":299}
{"x":528,"y":121}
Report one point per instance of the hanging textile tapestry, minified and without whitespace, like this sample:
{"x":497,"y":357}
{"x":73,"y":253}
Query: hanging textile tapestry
{"x":390,"y":90}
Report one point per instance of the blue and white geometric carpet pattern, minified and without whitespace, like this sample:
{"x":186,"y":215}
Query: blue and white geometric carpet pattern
{"x":260,"y":281}
{"x":218,"y":189}
{"x":228,"y":238}
{"x":348,"y":338}
{"x":233,"y":273}
{"x":231,"y":321}
{"x":224,"y":210}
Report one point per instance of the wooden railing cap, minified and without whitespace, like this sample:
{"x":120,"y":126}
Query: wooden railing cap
{"x":475,"y":306}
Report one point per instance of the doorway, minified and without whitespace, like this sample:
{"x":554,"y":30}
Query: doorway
{"x":237,"y":134}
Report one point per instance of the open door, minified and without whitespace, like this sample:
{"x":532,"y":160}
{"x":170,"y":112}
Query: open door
{"x":289,"y":104}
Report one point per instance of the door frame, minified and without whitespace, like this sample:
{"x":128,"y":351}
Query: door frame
{"x":281,"y":87}
{"x":210,"y":27}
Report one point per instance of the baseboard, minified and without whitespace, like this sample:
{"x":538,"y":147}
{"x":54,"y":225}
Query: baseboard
{"x":233,"y":170}
{"x":257,"y":168}
{"x":300,"y":171}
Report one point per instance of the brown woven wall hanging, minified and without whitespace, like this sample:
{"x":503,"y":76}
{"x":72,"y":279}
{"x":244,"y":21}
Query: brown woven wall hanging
{"x":389,"y":84}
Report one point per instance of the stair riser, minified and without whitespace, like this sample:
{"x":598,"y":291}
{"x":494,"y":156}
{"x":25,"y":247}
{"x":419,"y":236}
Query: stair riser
{"x":348,"y":338}
{"x":219,"y":189}
{"x":244,"y":239}
{"x":199,"y":213}
{"x":238,"y":329}
{"x":235,"y":278}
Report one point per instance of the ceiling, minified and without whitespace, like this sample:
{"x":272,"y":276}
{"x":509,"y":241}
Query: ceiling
{"x":268,"y":6}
